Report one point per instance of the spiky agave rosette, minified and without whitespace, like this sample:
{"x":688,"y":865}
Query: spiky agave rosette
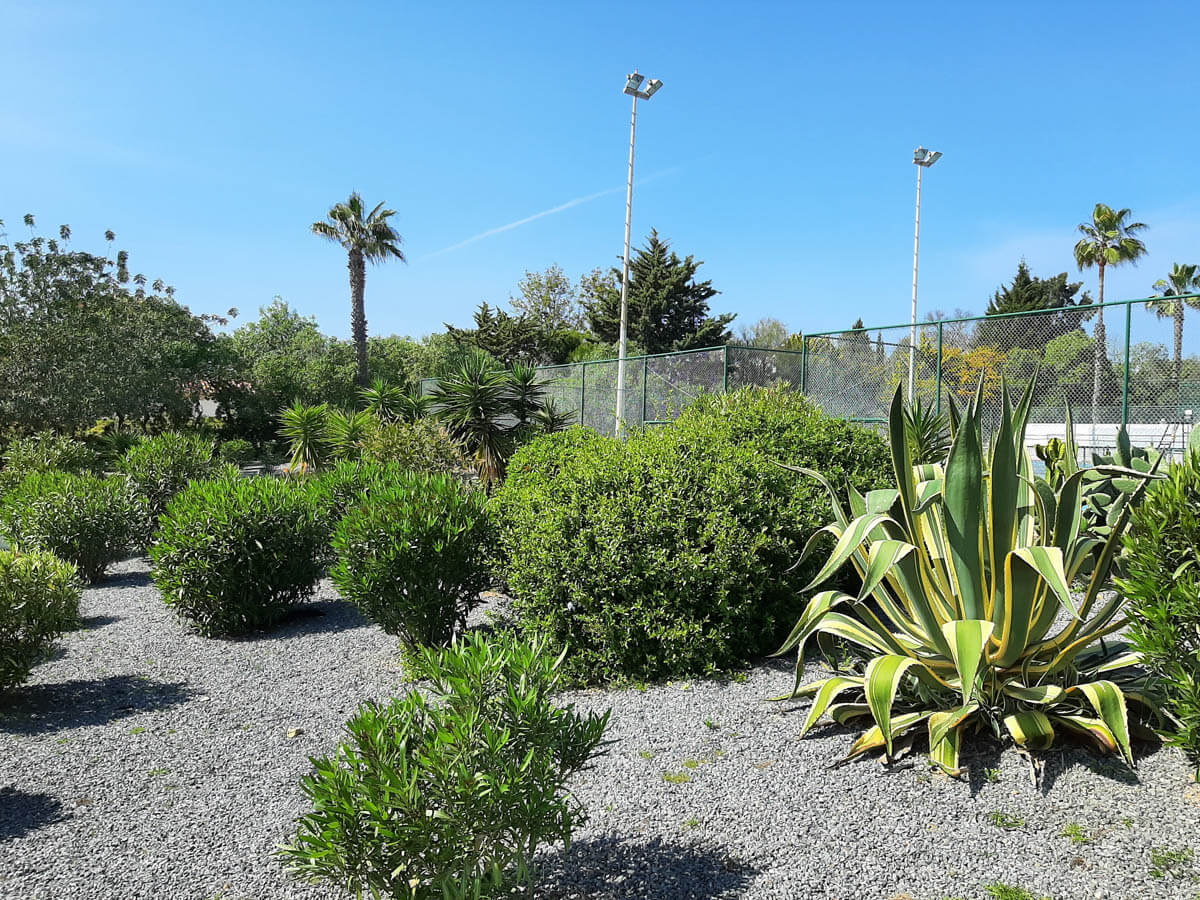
{"x":966,"y":579}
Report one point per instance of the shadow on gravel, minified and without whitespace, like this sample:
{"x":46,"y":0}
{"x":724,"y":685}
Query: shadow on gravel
{"x":21,"y":813}
{"x":93,"y":623}
{"x":615,"y":867}
{"x":1110,"y":767}
{"x":42,"y":708}
{"x":134,"y":579}
{"x":318,"y":617}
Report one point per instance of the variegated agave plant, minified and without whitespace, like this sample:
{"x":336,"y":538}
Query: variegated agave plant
{"x":965,"y":615}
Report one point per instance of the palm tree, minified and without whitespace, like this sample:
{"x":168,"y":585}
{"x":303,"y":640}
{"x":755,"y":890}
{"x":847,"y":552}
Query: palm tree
{"x":1183,"y":280}
{"x":1108,"y":240}
{"x":367,"y":237}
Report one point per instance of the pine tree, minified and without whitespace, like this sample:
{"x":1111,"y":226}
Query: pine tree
{"x":668,"y":308}
{"x":1027,"y":293}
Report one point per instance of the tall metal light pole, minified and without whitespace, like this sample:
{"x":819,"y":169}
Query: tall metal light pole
{"x":922,"y":159}
{"x":633,"y":88}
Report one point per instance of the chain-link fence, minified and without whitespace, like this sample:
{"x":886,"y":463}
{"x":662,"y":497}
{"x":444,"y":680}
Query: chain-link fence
{"x":1110,"y":364}
{"x":1107,"y":363}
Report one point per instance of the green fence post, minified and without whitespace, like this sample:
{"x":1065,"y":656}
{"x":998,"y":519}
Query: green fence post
{"x":725,"y":370}
{"x":939,"y":371}
{"x":804,"y":364}
{"x":645,"y":378}
{"x":583,"y":393}
{"x":1125,"y":386}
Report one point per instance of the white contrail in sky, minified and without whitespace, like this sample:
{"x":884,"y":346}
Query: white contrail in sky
{"x":540,"y":215}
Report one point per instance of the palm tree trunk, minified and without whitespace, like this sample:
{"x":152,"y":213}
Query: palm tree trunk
{"x":1178,"y":360}
{"x":358,"y":315}
{"x":1101,"y":352}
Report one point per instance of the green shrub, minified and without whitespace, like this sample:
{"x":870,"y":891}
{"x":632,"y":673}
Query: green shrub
{"x":233,"y":554}
{"x":39,"y":600}
{"x":161,"y":467}
{"x":412,"y":555}
{"x":237,"y":451}
{"x":1162,"y":582}
{"x":83,"y":519}
{"x":45,"y":451}
{"x":338,"y":488}
{"x":672,"y":553}
{"x":491,"y":755}
{"x":420,"y":446}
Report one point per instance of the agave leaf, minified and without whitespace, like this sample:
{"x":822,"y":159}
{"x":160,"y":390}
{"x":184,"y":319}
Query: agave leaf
{"x":880,"y":683}
{"x":872,"y":738}
{"x":856,"y":632}
{"x":839,"y":512}
{"x":1109,"y":703}
{"x":844,"y":713}
{"x":942,"y":723}
{"x":827,"y":691}
{"x":967,"y":639}
{"x":883,"y":556}
{"x":1003,"y":485}
{"x":848,"y":541}
{"x":817,"y":607}
{"x":965,"y":534}
{"x":902,"y":461}
{"x":944,"y":753}
{"x":1031,"y":729}
{"x":1042,"y":694}
{"x":1029,"y":572}
{"x":1094,"y":729}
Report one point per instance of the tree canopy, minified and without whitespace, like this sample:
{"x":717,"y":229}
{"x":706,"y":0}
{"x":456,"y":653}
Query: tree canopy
{"x":668,"y":307}
{"x":1027,"y":293}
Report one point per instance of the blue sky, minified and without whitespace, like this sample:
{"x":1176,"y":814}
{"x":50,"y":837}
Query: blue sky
{"x":209,"y":136}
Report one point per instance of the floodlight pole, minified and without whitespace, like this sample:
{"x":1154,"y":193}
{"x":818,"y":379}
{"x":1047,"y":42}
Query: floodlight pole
{"x":623,"y":340}
{"x":632,"y":87}
{"x":922,"y":159}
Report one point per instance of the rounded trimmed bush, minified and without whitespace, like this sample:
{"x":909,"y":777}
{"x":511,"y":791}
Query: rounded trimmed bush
{"x":412,"y":555}
{"x":161,"y":467}
{"x":673,"y":552}
{"x":39,"y":600}
{"x":232,"y":555}
{"x":420,"y":446}
{"x":338,"y":488}
{"x":83,"y":519}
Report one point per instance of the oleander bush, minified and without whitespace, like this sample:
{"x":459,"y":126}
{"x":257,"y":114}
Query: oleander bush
{"x":1162,"y":581}
{"x":672,"y":553}
{"x":418,"y":446}
{"x":44,"y":451}
{"x":158,"y":469}
{"x":489,"y":754}
{"x":412,"y":555}
{"x":233,"y":555}
{"x":39,"y":600}
{"x":84,"y":519}
{"x":338,"y":488}
{"x":236,"y":451}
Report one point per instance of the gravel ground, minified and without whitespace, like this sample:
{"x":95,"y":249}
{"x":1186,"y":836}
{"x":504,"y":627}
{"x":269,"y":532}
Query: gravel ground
{"x":148,"y":762}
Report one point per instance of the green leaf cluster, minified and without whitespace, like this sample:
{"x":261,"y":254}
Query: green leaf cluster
{"x":84,"y":519}
{"x":44,"y":451}
{"x":412,"y":555}
{"x":160,"y":467}
{"x":450,"y":797}
{"x":671,"y":553}
{"x":232,"y":555}
{"x":39,"y":600}
{"x":1161,"y":577}
{"x":966,"y":572}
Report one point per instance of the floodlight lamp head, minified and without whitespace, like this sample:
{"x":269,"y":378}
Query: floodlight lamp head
{"x":634,"y":82}
{"x":923,"y":157}
{"x":652,"y":86}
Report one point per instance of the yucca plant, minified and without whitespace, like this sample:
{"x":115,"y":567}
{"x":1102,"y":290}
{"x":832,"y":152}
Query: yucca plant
{"x":965,"y":621}
{"x":928,"y":432}
{"x":306,"y":429}
{"x":345,"y":432}
{"x":384,"y":399}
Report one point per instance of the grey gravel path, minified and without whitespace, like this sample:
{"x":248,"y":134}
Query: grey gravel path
{"x":148,"y":762}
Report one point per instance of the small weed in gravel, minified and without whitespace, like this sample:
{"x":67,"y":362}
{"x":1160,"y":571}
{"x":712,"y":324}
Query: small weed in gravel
{"x":1076,"y":833}
{"x":691,"y":823}
{"x":137,"y":729}
{"x":1177,"y":863}
{"x":692,"y":763}
{"x":646,"y":754}
{"x":676,"y":777}
{"x":992,"y":775}
{"x":1002,"y":891}
{"x":711,"y":725}
{"x":1004,"y":820}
